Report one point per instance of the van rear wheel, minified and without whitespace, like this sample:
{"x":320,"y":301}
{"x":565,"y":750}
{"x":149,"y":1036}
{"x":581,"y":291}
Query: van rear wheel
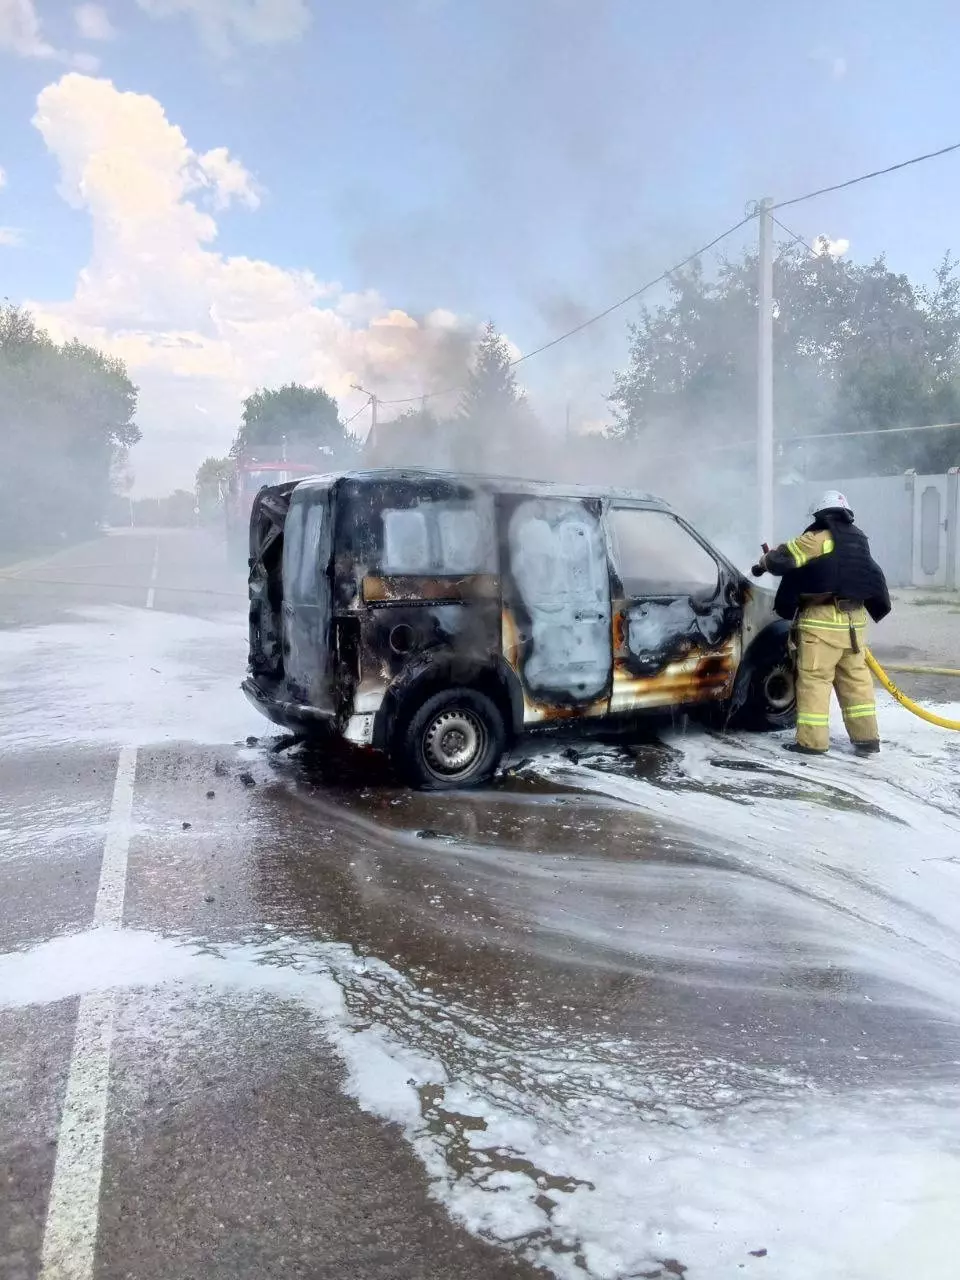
{"x":454,"y":739}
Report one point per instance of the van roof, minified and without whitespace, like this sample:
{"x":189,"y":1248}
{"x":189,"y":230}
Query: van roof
{"x":490,"y":483}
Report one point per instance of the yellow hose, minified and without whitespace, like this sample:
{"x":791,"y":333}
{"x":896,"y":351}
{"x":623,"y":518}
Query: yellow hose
{"x":919,"y":670}
{"x":902,"y":698}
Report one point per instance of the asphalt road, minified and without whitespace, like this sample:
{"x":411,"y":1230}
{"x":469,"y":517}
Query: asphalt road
{"x":268,"y":1014}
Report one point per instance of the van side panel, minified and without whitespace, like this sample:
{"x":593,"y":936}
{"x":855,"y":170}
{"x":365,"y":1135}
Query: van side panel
{"x":556,"y":628}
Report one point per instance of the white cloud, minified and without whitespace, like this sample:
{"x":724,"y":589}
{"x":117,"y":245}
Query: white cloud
{"x":93,"y":22}
{"x":10,"y":237}
{"x":835,"y":248}
{"x":225,"y":23}
{"x":21,"y":34}
{"x":3,"y":178}
{"x":197,"y":329}
{"x":20,"y":30}
{"x":228,"y":178}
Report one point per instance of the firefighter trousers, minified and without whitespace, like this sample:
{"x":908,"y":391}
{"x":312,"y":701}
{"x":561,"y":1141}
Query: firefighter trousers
{"x":827,"y":659}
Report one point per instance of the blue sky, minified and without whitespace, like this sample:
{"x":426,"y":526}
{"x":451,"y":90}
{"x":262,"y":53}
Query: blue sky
{"x":527,"y":160}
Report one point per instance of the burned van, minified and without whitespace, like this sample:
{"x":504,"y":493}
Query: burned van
{"x":437,"y":617}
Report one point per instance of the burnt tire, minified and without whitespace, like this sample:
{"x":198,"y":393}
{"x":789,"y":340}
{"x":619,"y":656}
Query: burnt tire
{"x":454,"y":739}
{"x":773,"y":696}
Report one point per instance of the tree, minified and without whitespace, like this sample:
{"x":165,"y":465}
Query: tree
{"x":307,"y":418}
{"x":493,"y":414}
{"x":66,"y":422}
{"x":857,"y":348}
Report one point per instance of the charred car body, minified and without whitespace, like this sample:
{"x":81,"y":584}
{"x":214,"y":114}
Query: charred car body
{"x":438,"y":616}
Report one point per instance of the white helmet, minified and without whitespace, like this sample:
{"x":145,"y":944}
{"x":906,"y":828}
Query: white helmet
{"x":832,"y":500}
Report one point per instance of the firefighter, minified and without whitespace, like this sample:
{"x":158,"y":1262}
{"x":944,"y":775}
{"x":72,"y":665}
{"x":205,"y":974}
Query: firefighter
{"x":829,"y":584}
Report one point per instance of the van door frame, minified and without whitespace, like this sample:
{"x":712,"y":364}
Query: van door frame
{"x":687,"y":678}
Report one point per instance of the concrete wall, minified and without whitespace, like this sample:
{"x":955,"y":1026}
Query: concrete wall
{"x":883,"y":506}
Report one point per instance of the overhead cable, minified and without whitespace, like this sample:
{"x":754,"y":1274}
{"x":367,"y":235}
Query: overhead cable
{"x":865,"y":177}
{"x":665,"y":275}
{"x":600,"y":315}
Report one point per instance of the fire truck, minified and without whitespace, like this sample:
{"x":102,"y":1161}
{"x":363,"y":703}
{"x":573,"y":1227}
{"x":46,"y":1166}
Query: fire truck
{"x":250,"y":472}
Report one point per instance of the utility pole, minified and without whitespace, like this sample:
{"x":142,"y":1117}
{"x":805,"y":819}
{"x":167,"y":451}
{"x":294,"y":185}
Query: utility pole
{"x":372,"y":438}
{"x":765,"y":376}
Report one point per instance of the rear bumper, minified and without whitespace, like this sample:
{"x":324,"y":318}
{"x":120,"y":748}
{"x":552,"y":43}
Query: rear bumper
{"x":296,"y":716}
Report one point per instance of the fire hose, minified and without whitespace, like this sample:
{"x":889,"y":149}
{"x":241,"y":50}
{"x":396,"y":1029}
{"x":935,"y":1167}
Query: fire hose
{"x":930,"y":716}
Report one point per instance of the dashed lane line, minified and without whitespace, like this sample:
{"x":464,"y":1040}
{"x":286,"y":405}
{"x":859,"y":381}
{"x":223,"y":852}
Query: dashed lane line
{"x":73,"y":1212}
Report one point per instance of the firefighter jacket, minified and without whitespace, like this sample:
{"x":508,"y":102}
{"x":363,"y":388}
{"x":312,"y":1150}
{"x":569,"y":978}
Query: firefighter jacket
{"x":829,"y":561}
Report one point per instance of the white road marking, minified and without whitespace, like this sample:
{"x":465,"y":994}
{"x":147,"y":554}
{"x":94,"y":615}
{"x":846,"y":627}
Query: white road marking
{"x":151,"y":594}
{"x":70,"y":1234}
{"x":113,"y":870}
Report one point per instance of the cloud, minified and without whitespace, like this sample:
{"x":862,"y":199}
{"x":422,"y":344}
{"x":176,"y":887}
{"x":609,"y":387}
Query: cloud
{"x":3,"y":178}
{"x":21,"y":34}
{"x":200,"y":330}
{"x":835,"y":248}
{"x":10,"y":237}
{"x":223,"y":24}
{"x":228,"y":179}
{"x":93,"y":22}
{"x":20,"y":30}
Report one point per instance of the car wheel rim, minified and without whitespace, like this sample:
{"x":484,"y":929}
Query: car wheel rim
{"x":778,"y":689}
{"x":453,"y":742}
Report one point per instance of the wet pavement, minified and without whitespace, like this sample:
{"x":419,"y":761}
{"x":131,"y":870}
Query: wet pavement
{"x":686,"y":1007}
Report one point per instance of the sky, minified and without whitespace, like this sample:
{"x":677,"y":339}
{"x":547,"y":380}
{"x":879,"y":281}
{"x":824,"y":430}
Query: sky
{"x":236,"y":193}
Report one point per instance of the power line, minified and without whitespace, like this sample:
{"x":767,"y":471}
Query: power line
{"x":865,"y":177}
{"x":660,"y":279}
{"x":796,"y":238}
{"x":875,"y":431}
{"x":665,"y":275}
{"x":600,"y":315}
{"x":820,"y":435}
{"x":357,"y":414}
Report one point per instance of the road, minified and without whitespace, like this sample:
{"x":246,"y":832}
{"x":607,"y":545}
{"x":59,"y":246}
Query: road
{"x":688,"y":1008}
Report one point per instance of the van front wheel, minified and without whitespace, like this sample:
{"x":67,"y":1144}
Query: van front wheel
{"x":454,"y":739}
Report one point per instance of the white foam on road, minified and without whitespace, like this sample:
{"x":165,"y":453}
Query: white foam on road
{"x":874,"y":846}
{"x":595,"y":1156}
{"x":121,"y":676}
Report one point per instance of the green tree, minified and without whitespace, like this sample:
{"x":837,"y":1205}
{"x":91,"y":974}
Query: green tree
{"x":493,"y":415}
{"x":307,"y":419}
{"x":66,"y":422}
{"x":857,"y":348}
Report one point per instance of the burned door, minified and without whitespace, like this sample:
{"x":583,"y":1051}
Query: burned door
{"x":306,"y":599}
{"x":556,"y":605}
{"x":677,"y":613}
